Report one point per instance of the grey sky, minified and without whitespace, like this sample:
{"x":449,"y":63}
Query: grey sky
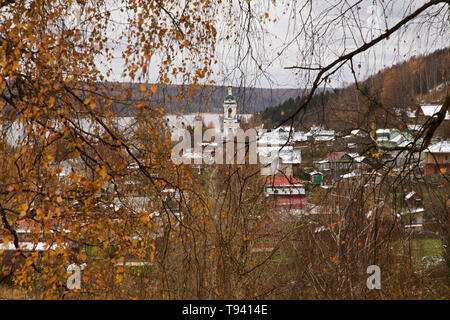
{"x":313,"y":33}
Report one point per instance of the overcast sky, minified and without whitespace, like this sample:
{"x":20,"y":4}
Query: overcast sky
{"x":290,"y":41}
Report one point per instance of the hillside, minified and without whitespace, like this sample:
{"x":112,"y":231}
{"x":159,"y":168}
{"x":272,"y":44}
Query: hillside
{"x":177,"y":98}
{"x":420,"y":80}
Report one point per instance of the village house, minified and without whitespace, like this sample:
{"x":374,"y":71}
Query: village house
{"x":437,"y":159}
{"x":340,"y":161}
{"x":423,"y":112}
{"x":286,"y":193}
{"x":412,"y":212}
{"x":320,"y":134}
{"x":316,"y":177}
{"x":392,"y":137}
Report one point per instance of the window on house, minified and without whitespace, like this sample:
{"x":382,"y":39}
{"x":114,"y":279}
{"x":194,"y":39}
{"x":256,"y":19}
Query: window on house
{"x":267,"y":226}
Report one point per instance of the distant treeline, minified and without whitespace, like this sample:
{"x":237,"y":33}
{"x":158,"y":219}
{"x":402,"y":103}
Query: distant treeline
{"x":273,"y":116}
{"x":188,"y":99}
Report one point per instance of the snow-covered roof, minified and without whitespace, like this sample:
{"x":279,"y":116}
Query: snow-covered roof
{"x":410,"y":113}
{"x":404,"y":144}
{"x":414,"y":127}
{"x":440,"y":147}
{"x":321,"y":229}
{"x":28,"y":246}
{"x":383,"y":131}
{"x":299,"y":136}
{"x":287,"y":154}
{"x":409,"y":195}
{"x":324,"y":138}
{"x":320,"y":134}
{"x":349,"y":175}
{"x":410,"y":211}
{"x":397,"y":138}
{"x":280,"y":136}
{"x":290,"y":156}
{"x":416,"y":225}
{"x":432,"y":110}
{"x":428,"y":111}
{"x":356,"y":157}
{"x":134,"y":203}
{"x":192,"y":154}
{"x":273,"y":138}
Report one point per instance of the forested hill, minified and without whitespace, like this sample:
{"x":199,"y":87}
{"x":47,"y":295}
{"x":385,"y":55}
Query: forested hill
{"x":273,"y":116}
{"x":420,"y":80}
{"x":185,"y":99}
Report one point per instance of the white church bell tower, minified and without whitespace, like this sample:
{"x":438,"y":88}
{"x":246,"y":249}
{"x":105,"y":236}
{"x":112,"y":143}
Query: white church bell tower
{"x":230,"y":117}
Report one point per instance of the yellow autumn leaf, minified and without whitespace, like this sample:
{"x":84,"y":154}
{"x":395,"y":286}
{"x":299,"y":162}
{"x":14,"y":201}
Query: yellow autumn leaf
{"x":24,"y":209}
{"x":103,"y":172}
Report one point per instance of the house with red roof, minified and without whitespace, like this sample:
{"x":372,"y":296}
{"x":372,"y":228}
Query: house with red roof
{"x":286,"y":193}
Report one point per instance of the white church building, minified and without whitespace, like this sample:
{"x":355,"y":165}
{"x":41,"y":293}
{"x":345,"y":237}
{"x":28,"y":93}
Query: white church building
{"x":278,"y":144}
{"x":231,"y":119}
{"x":225,"y":123}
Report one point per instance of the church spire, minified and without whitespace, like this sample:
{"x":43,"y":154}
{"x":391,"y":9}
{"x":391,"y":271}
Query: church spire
{"x":229,"y":89}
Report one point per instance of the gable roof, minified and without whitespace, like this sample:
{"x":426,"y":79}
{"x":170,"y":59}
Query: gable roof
{"x":334,"y":156}
{"x":427,"y":111}
{"x":356,"y":157}
{"x":440,"y":147}
{"x":432,"y":110}
{"x":281,"y":181}
{"x":411,"y":194}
